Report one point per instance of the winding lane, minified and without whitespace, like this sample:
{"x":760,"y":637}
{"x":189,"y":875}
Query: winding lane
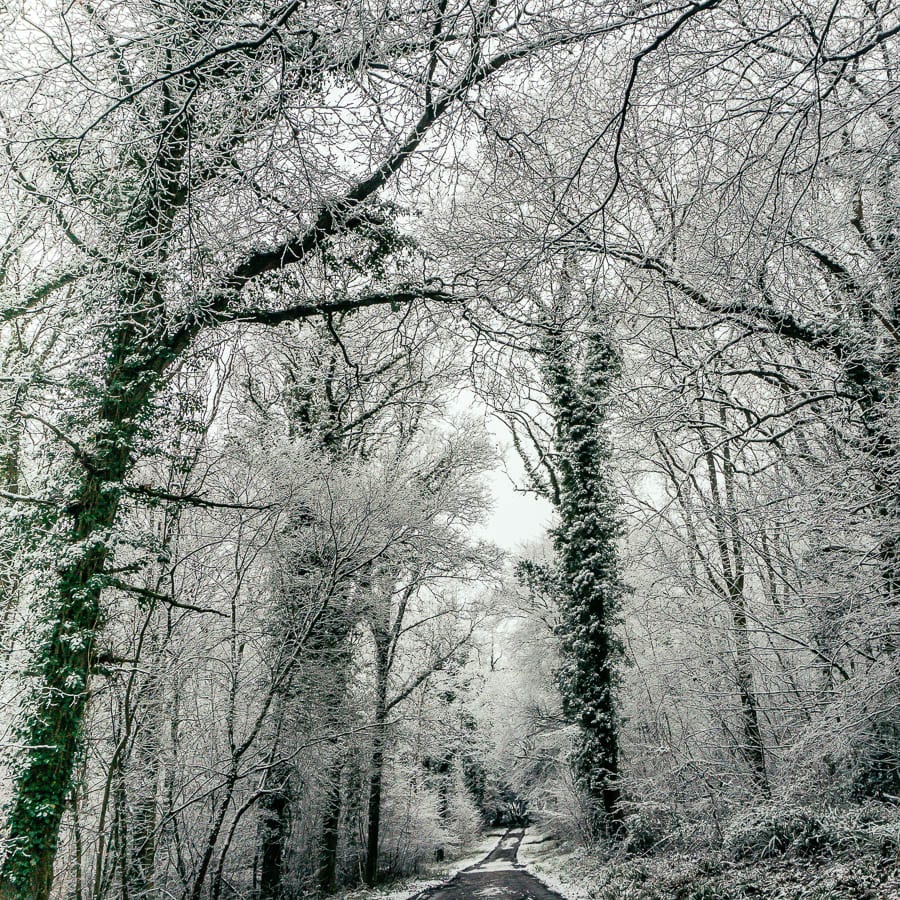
{"x":499,"y":875}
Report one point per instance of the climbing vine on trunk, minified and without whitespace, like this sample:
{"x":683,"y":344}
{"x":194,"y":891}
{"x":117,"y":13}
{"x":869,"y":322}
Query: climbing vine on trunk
{"x":590,"y":585}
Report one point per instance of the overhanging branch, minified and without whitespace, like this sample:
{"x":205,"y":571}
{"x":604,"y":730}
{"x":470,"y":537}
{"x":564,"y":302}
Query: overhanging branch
{"x":399,"y":297}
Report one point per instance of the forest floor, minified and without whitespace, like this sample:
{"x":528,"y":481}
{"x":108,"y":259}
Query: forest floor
{"x":580,"y":875}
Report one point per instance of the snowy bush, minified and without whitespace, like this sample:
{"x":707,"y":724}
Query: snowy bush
{"x":412,"y":828}
{"x":463,"y":820}
{"x":852,"y":750}
{"x":417,"y":821}
{"x":651,"y":827}
{"x":763,"y":832}
{"x":871,"y":826}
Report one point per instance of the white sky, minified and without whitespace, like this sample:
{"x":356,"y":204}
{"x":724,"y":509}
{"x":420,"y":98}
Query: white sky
{"x":518,"y":517}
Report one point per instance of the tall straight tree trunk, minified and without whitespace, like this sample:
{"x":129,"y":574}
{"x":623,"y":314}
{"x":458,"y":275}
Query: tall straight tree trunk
{"x":376,"y":776}
{"x":881,"y":448}
{"x":145,"y":766}
{"x":10,"y":440}
{"x":731,"y":557}
{"x":330,"y":834}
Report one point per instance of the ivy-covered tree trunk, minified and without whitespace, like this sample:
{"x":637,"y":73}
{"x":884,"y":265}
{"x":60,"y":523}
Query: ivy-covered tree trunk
{"x":78,"y":542}
{"x":586,"y":546}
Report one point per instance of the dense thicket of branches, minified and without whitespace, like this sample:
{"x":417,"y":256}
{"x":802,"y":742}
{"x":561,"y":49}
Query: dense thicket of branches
{"x":257,"y":262}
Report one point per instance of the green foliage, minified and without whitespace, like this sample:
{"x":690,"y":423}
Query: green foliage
{"x":764,"y":832}
{"x":376,"y":245}
{"x":540,"y":579}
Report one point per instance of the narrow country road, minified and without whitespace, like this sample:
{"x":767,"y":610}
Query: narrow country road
{"x":498,"y":875}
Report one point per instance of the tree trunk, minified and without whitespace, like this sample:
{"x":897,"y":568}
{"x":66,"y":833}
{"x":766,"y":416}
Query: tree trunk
{"x":275,"y":827}
{"x":729,"y":542}
{"x":146,"y":764}
{"x":374,"y":809}
{"x":328,"y":845}
{"x":377,"y":766}
{"x":73,"y":617}
{"x":590,"y":586}
{"x":53,"y":727}
{"x":9,"y":481}
{"x":218,"y":820}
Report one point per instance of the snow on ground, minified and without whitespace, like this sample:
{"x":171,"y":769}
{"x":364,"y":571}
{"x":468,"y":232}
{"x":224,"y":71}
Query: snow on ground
{"x":553,"y":864}
{"x":582,"y":875}
{"x":434,"y":875}
{"x":498,"y":865}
